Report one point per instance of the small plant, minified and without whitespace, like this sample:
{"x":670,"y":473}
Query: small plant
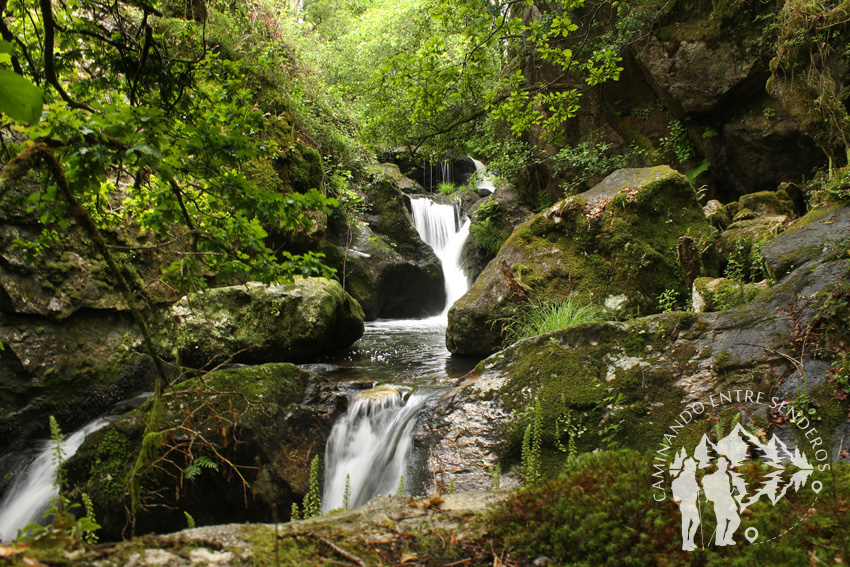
{"x":538,"y":317}
{"x":190,"y":521}
{"x":451,"y":486}
{"x":769,"y":112}
{"x":198,"y":465}
{"x":668,"y":300}
{"x":346,"y":493}
{"x":530,"y":467}
{"x":400,"y":490}
{"x":708,"y":132}
{"x":496,"y":477}
{"x":312,"y":505}
{"x":447,"y":188}
{"x":574,"y":429}
{"x":585,"y":161}
{"x":677,"y":144}
{"x":487,"y":236}
{"x":296,"y":513}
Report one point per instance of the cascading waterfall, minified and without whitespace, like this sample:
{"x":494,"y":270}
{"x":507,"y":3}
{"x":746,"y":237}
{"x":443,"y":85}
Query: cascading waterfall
{"x":371,"y":446}
{"x":483,"y":181}
{"x":437,"y":225}
{"x":30,"y":493}
{"x":372,"y":443}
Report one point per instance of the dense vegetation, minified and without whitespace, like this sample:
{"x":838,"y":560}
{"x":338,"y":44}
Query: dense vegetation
{"x":206,"y":138}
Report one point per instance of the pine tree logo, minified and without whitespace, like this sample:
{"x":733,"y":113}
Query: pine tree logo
{"x":725,"y":488}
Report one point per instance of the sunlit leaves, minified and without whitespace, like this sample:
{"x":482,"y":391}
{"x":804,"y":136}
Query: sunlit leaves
{"x":19,"y":98}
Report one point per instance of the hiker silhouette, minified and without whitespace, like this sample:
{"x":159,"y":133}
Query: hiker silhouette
{"x":686,"y":493}
{"x":718,"y":490}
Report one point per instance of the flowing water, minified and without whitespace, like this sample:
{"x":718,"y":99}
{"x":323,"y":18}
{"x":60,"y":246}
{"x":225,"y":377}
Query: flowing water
{"x":372,"y":443}
{"x":33,"y":488}
{"x":483,"y":181}
{"x":369,"y":448}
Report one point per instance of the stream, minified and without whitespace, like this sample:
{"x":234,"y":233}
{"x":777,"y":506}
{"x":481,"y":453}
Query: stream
{"x":369,"y":449}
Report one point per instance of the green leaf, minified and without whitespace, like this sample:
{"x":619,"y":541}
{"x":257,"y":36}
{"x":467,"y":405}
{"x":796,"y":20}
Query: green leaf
{"x":6,"y":47}
{"x":19,"y":98}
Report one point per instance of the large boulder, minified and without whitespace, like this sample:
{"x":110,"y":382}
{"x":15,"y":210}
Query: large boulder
{"x":625,"y":383}
{"x":233,"y":443}
{"x":698,"y":75}
{"x":616,"y":243}
{"x":73,"y":369}
{"x":257,"y":323}
{"x":383,"y":262}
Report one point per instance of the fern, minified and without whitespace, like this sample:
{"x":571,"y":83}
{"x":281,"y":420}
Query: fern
{"x":197,"y":466}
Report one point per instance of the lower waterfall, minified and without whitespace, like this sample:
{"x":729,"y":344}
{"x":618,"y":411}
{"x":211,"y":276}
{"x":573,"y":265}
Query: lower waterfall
{"x":30,"y":493}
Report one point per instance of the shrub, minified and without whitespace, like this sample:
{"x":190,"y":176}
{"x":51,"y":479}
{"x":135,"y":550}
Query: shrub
{"x":487,"y":236}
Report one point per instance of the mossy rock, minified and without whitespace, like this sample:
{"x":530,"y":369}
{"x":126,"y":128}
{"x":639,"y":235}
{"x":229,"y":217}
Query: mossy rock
{"x":74,"y":369}
{"x":715,"y":294}
{"x":768,"y":203}
{"x":717,"y":214}
{"x":256,"y":323}
{"x":742,"y":242}
{"x":815,"y":235}
{"x":268,"y":421}
{"x":593,"y":245}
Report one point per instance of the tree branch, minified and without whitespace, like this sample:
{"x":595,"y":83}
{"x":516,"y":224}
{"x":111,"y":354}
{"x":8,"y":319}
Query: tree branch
{"x":49,"y":61}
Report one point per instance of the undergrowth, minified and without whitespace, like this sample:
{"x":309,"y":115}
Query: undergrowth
{"x":542,"y":316}
{"x":600,"y":511}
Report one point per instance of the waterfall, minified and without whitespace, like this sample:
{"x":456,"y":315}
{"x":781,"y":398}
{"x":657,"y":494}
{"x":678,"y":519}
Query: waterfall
{"x":437,"y":225}
{"x":30,"y":493}
{"x":372,"y":442}
{"x":371,"y":445}
{"x":481,"y":175}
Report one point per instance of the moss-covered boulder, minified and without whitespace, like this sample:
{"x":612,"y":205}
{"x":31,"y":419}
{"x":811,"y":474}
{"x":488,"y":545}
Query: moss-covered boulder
{"x":805,"y":239}
{"x":716,"y":294}
{"x":618,"y":239}
{"x":233,"y":443}
{"x":256,"y":323}
{"x":625,"y":384}
{"x":493,"y":219}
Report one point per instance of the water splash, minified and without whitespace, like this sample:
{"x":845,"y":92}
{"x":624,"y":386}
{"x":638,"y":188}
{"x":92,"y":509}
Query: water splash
{"x":30,"y":493}
{"x":371,"y":444}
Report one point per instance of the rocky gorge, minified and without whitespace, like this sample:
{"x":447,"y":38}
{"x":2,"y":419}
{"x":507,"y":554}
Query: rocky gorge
{"x":698,"y":203}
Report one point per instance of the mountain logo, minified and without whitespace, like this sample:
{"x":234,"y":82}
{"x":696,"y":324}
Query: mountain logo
{"x":709,"y":481}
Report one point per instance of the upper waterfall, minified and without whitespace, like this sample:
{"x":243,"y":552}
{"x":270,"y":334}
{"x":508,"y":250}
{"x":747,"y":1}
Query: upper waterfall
{"x":441,"y":227}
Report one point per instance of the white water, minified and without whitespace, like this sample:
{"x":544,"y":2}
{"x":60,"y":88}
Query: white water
{"x":483,"y":181}
{"x":371,"y":444}
{"x":437,"y":225}
{"x":30,"y":493}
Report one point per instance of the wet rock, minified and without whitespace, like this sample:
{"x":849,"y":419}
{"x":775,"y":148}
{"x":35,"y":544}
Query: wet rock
{"x":267,"y":421}
{"x":593,"y":245}
{"x":503,"y":212}
{"x":385,"y":265}
{"x":256,"y":323}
